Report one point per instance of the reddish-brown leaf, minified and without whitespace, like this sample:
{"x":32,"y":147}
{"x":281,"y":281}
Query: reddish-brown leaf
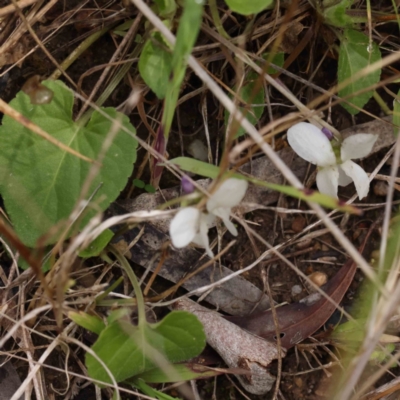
{"x":300,"y":320}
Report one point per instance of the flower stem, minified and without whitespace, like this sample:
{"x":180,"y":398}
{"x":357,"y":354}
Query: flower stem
{"x":135,"y":284}
{"x":217,"y":20}
{"x":382,"y":103}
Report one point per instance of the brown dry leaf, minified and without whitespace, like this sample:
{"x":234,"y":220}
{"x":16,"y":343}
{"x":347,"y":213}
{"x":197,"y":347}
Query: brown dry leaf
{"x":14,"y":53}
{"x":298,"y":321}
{"x":290,"y":37}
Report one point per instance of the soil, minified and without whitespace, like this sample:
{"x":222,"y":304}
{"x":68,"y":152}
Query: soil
{"x":303,"y":373}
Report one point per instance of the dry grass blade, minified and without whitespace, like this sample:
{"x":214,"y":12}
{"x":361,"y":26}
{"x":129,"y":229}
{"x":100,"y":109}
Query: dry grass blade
{"x":12,"y":7}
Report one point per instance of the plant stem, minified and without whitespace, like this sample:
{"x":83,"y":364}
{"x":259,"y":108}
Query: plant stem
{"x":72,"y":57}
{"x":109,"y":289}
{"x":217,"y":20}
{"x":382,"y":103}
{"x":135,"y":283}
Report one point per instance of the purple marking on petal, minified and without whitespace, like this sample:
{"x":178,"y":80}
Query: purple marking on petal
{"x":187,"y":184}
{"x":327,"y":133}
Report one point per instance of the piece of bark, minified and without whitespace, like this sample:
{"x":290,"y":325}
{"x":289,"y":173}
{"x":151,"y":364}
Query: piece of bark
{"x":238,"y":348}
{"x":236,"y":297}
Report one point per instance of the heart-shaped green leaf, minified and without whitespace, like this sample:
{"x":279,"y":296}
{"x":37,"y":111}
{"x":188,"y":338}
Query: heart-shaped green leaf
{"x":128,"y":350}
{"x":39,"y":182}
{"x":356,"y":52}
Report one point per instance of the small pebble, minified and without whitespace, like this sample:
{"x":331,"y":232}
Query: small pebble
{"x":198,"y":150}
{"x":357,"y":233}
{"x":296,"y":289}
{"x":381,"y":188}
{"x":318,"y":278}
{"x":299,"y":382}
{"x":304,"y":243}
{"x":327,"y":259}
{"x":298,"y":224}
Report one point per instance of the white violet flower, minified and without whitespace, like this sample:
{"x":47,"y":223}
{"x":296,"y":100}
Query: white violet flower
{"x":191,"y":225}
{"x":333,"y":159}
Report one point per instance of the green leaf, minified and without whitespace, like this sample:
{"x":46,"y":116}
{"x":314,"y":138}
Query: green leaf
{"x":90,"y":322}
{"x":380,"y":356}
{"x":98,"y":244}
{"x":248,"y":7}
{"x":355,"y":54}
{"x":155,"y":67}
{"x":197,"y":167}
{"x":166,"y":8}
{"x":118,"y":314}
{"x":146,"y":389}
{"x":252,"y":112}
{"x":150,"y":188}
{"x":47,"y":264}
{"x":179,"y":373}
{"x":188,"y":29}
{"x":212,"y":171}
{"x":349,"y":329}
{"x":123,"y":28}
{"x":186,"y":36}
{"x":277,"y":59}
{"x":353,"y":332}
{"x":129,"y":350}
{"x":335,"y":14}
{"x":138,"y":183}
{"x":41,"y":183}
{"x":396,"y":114}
